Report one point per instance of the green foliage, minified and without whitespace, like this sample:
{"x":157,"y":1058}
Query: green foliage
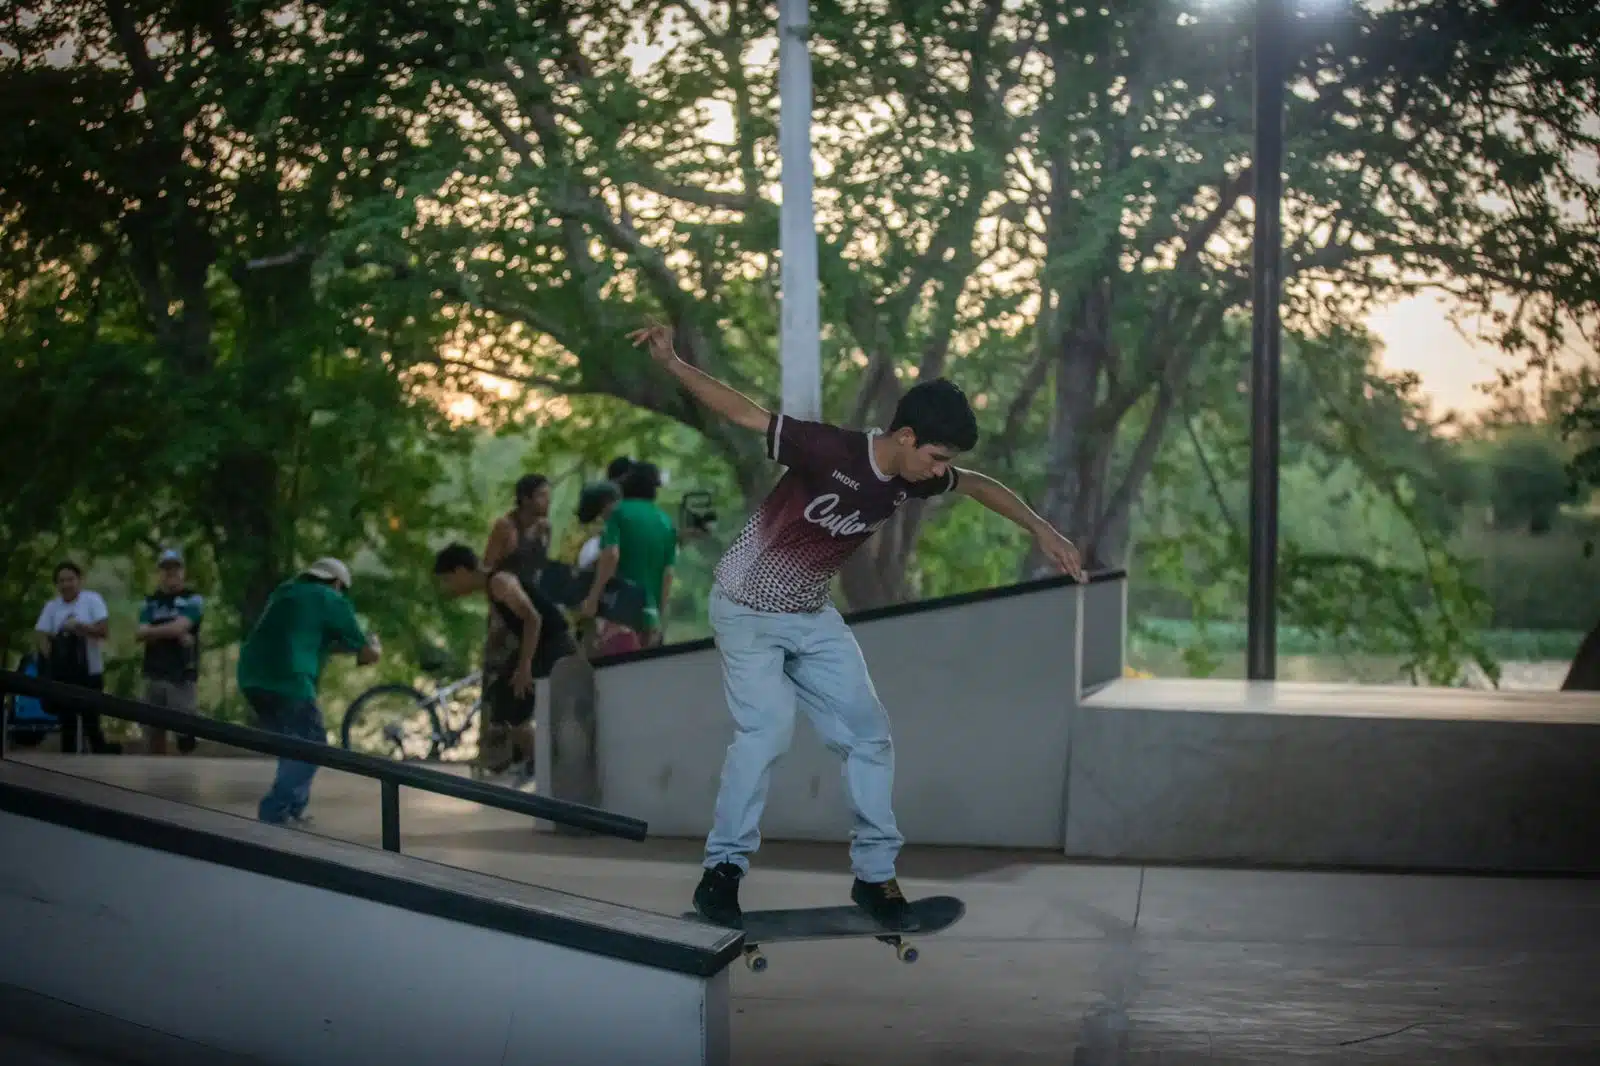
{"x":1364,"y":554}
{"x":1580,"y":425}
{"x":1536,"y":582}
{"x":1526,"y":480}
{"x":1520,"y":645}
{"x":178,"y":349}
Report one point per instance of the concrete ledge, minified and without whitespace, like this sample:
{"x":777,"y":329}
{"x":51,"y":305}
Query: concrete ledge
{"x":979,"y":691}
{"x":1367,"y":776}
{"x":292,"y":948}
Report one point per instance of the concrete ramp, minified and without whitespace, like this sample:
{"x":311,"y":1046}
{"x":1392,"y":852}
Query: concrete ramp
{"x":291,"y":949}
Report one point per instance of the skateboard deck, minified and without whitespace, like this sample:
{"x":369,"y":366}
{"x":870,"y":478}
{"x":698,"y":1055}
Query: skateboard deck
{"x":847,"y":922}
{"x":574,"y":765}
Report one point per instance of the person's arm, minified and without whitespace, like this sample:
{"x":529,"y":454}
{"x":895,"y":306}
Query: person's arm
{"x":1007,"y":504}
{"x":43,"y":630}
{"x":345,"y":633}
{"x":173,"y":629}
{"x":508,"y":591}
{"x":97,"y":619}
{"x":502,"y":539}
{"x":605,"y":566}
{"x":721,"y":399}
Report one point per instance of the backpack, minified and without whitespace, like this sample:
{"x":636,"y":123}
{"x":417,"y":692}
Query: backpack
{"x":69,"y":658}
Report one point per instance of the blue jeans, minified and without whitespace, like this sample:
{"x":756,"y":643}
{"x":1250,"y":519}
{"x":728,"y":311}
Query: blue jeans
{"x":769,"y":662}
{"x":291,"y":787}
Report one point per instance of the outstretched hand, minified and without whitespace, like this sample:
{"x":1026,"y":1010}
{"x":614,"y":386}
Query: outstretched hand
{"x":1062,"y":552}
{"x":659,"y":339}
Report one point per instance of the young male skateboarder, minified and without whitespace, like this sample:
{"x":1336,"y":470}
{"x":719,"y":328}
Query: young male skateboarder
{"x":779,"y":637}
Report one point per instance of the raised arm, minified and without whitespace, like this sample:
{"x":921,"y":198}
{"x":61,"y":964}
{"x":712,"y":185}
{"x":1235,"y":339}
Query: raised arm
{"x":729,"y":403}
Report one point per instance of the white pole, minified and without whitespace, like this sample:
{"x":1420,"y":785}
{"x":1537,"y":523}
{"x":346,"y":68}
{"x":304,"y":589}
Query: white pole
{"x":799,"y":345}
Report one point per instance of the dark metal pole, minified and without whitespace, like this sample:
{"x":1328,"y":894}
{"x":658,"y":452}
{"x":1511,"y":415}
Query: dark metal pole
{"x":391,"y":816}
{"x":1271,"y":45}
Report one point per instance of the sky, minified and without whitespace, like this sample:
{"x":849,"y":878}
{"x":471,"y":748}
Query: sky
{"x":1418,"y":336}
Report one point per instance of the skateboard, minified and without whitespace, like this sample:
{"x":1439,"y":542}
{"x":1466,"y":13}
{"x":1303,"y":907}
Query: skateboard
{"x":574,"y":766}
{"x":849,"y":922}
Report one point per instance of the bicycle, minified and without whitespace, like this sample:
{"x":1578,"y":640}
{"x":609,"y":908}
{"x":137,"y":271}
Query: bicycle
{"x":398,"y":721}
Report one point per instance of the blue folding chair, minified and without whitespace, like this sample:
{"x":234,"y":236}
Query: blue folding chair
{"x":27,"y":722}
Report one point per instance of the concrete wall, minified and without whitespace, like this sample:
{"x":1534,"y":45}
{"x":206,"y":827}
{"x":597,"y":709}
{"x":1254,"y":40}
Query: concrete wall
{"x":979,"y":692}
{"x":1103,"y":626}
{"x":301,"y":976}
{"x":1337,"y":775}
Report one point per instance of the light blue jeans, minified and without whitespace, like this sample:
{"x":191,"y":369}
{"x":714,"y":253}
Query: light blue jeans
{"x":769,"y":662}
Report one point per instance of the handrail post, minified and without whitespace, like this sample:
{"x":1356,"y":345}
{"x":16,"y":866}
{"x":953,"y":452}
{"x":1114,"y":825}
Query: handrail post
{"x":391,"y":815}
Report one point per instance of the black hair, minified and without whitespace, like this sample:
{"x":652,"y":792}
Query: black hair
{"x":595,"y":498}
{"x":66,"y":564}
{"x":937,"y":412}
{"x":529,"y":484}
{"x":641,"y":482}
{"x":618,"y":467}
{"x":453,"y":557}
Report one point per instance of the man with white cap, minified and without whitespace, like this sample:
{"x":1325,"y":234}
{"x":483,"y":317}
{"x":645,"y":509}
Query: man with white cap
{"x":306,"y":619}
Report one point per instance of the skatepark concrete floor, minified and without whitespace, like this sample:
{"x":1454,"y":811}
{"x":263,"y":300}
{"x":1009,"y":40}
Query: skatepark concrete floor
{"x":1057,"y":962}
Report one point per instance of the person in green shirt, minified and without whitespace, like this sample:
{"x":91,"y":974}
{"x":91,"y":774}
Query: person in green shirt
{"x":639,"y":544}
{"x":306,"y":619}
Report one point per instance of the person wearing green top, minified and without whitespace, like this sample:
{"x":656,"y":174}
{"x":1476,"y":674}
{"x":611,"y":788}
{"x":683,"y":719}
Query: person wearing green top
{"x":306,"y":619}
{"x":639,"y":544}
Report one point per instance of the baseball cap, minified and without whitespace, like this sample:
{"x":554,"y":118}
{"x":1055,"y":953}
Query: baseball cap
{"x":170,"y":557}
{"x":330,"y":569}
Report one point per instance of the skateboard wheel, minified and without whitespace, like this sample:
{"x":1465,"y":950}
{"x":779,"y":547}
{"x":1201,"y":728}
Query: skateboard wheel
{"x":906,"y":953}
{"x":755,"y":960}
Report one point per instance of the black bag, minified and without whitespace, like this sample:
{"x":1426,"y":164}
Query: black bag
{"x":622,"y":601}
{"x":68,"y":661}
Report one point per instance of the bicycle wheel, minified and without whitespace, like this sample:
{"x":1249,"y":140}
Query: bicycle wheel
{"x":393,"y":721}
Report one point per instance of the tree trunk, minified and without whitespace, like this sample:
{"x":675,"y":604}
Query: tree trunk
{"x":875,"y":576}
{"x":1584,"y":674}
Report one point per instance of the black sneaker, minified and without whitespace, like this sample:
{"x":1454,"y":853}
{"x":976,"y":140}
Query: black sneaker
{"x":886,"y":904}
{"x":717,"y":897}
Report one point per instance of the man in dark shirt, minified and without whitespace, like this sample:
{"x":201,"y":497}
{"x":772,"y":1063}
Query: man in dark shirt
{"x":530,"y":637}
{"x":781,"y":640}
{"x":169,"y":629}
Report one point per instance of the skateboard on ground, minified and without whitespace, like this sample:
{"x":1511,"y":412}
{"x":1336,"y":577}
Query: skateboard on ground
{"x":848,"y":922}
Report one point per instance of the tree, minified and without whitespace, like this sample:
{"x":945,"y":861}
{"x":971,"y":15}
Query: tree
{"x":1528,"y":481}
{"x":1582,"y":422}
{"x":183,"y":359}
{"x":1049,"y":202}
{"x":1366,"y":510}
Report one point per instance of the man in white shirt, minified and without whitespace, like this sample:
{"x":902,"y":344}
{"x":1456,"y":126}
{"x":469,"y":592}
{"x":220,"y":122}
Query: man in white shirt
{"x":71,"y":633}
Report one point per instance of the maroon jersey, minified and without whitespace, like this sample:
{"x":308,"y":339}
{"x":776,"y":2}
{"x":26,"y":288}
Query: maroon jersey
{"x":829,"y":501}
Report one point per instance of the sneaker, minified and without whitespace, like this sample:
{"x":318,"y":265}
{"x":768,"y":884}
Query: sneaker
{"x":717,"y":897}
{"x":886,"y":904}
